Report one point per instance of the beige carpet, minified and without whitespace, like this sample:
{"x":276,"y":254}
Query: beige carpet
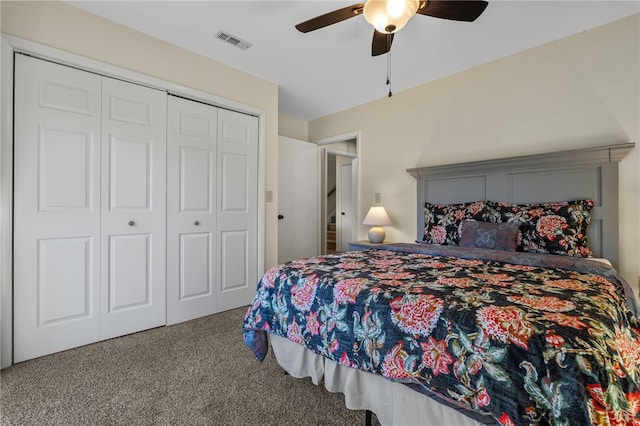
{"x":194,"y":373}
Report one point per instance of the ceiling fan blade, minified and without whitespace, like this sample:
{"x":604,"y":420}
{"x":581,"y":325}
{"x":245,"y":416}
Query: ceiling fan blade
{"x":381,"y":43}
{"x":330,"y":18}
{"x":454,"y":10}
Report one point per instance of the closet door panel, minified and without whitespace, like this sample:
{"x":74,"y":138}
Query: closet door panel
{"x":195,"y":261}
{"x":129,"y":275}
{"x":64,"y":181}
{"x":133,"y":207}
{"x":235,"y":260}
{"x":195,"y":177}
{"x":56,"y":249}
{"x":237,"y":215}
{"x":63,"y":281}
{"x":130,"y":174}
{"x":192,"y":133}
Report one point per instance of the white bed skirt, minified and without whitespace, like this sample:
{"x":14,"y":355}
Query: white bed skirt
{"x":393,"y":403}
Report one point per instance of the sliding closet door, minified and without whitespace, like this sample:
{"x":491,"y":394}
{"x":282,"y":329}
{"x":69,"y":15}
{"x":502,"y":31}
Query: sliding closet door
{"x":57,"y":208}
{"x":133,"y":207}
{"x":191,"y":249}
{"x":237,"y":208}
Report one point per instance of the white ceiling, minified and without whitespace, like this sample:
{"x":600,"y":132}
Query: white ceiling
{"x":331,"y":69}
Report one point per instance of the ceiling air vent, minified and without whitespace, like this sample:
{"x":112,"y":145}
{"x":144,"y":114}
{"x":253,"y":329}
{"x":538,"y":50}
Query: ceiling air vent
{"x":236,"y":41}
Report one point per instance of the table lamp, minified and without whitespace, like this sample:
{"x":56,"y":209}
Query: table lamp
{"x":377,"y":217}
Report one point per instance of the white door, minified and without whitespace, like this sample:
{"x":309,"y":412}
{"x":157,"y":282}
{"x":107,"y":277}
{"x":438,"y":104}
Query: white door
{"x":56,"y":250}
{"x":237,"y":208}
{"x":297,"y":199}
{"x":191,"y":155}
{"x":133,"y":207}
{"x":345,"y":219}
{"x":89,"y":232}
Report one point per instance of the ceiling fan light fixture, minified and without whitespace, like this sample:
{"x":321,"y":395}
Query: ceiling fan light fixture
{"x":389,"y":16}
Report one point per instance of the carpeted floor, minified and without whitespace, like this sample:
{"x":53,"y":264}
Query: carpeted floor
{"x":194,"y":373}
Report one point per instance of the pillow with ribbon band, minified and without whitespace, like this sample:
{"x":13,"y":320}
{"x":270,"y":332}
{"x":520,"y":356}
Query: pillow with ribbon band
{"x":496,"y":236}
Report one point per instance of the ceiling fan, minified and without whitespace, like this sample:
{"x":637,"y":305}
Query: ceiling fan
{"x":390,"y":16}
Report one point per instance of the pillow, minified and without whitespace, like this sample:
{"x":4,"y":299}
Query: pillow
{"x":441,"y":221}
{"x":497,"y":236}
{"x":556,"y":228}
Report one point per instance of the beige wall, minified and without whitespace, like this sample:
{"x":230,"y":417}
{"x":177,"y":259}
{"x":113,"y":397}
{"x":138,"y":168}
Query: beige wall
{"x":580,"y":91}
{"x":292,"y":127}
{"x":64,"y":27}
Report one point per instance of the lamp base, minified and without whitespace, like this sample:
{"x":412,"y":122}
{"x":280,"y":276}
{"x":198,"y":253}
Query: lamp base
{"x":376,"y":234}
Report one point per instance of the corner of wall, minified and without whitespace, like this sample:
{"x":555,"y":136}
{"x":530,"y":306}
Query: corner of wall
{"x":293,"y":127}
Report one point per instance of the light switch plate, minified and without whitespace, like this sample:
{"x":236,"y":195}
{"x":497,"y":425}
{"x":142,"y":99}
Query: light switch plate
{"x":377,"y":198}
{"x":268,"y":197}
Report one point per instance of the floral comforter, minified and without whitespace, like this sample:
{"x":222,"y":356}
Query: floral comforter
{"x":526,"y":338}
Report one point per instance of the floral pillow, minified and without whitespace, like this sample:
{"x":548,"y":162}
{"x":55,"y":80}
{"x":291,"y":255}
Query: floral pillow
{"x":497,"y":236}
{"x":556,"y":228}
{"x":442,"y":221}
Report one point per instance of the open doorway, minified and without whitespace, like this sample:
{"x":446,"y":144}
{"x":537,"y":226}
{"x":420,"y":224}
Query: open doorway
{"x":318,"y":196}
{"x":339,"y":193}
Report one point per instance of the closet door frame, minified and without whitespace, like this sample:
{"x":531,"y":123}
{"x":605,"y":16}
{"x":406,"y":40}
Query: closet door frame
{"x":9,"y":46}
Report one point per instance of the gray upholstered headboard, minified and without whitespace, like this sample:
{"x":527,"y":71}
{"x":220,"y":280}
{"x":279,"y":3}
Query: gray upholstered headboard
{"x":590,"y":173}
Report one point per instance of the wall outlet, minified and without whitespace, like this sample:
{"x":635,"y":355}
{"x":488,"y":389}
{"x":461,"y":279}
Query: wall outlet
{"x":377,"y":197}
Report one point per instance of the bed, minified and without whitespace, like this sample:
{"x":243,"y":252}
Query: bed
{"x":463,"y":331}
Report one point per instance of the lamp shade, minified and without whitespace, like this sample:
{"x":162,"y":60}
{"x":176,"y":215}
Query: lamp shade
{"x":376,"y":216}
{"x":389,"y":16}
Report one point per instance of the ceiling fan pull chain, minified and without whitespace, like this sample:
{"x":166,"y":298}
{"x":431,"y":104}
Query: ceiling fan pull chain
{"x":389,"y":73}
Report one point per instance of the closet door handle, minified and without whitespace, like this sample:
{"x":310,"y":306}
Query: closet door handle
{"x":196,"y":223}
{"x":131,"y":223}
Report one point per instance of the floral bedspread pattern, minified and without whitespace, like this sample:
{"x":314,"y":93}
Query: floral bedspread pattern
{"x":528,"y":344}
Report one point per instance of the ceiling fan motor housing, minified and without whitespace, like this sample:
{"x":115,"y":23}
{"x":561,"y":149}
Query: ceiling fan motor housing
{"x":390,"y":16}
